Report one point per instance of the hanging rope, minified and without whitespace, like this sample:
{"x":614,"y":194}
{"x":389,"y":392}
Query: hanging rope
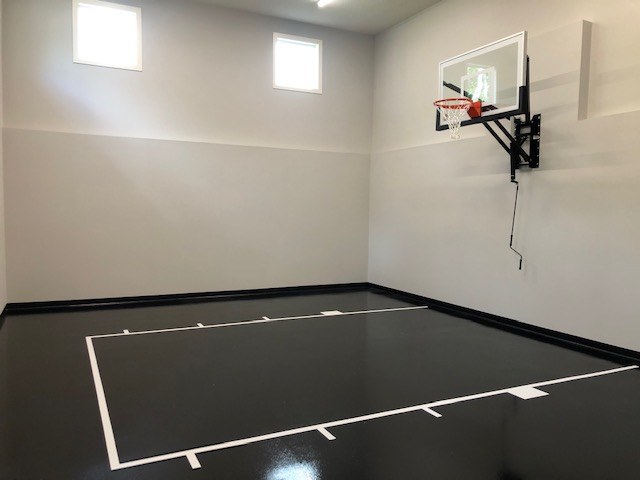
{"x":513,"y":223}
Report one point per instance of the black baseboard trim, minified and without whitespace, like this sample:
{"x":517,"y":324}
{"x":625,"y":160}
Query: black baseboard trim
{"x":591,"y":347}
{"x":29,"y":308}
{"x":3,"y":315}
{"x":572,"y":342}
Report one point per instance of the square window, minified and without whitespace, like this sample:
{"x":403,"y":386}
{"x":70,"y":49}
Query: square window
{"x":297,"y":63}
{"x":107,"y":34}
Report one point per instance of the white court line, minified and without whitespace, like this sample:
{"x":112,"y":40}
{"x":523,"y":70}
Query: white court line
{"x":107,"y":427}
{"x":326,"y":433}
{"x":253,"y":322}
{"x":363,"y":418}
{"x":432,"y":412}
{"x":193,"y":461}
{"x":330,"y":313}
{"x":527,"y":393}
{"x":109,"y":438}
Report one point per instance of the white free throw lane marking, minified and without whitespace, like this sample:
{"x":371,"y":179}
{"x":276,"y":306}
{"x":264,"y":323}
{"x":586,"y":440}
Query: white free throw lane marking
{"x":432,"y":412}
{"x":363,"y":418}
{"x":330,"y":313}
{"x":107,"y":428}
{"x":253,"y":322}
{"x":193,"y":461}
{"x":527,"y":393}
{"x":109,"y":438}
{"x":326,"y":433}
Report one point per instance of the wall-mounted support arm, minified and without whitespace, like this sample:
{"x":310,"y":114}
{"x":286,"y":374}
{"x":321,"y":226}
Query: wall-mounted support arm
{"x":497,"y":137}
{"x":524,"y":131}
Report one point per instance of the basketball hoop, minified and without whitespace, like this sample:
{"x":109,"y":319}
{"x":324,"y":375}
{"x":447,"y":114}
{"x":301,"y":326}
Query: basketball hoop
{"x":451,"y":112}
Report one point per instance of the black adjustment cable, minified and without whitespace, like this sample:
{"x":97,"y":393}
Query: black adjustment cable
{"x":513,"y":223}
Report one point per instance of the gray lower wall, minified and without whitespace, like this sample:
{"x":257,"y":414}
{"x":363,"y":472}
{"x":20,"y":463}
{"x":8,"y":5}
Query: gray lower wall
{"x":441,"y":218}
{"x":94,"y":216}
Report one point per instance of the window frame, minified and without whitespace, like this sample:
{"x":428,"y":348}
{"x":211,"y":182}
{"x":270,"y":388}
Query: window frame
{"x":117,"y":6}
{"x":277,"y":36}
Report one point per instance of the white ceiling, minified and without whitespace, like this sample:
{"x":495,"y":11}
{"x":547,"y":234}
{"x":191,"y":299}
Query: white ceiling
{"x":363,"y":16}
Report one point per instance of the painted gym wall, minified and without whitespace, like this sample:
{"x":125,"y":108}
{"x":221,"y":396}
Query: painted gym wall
{"x":441,"y":210}
{"x":193,"y":175}
{"x":3,"y":257}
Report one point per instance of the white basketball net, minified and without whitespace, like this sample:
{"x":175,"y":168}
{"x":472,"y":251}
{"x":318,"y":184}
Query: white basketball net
{"x":452,"y":110}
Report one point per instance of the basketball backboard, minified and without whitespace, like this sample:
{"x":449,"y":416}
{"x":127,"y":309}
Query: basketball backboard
{"x":495,"y":74}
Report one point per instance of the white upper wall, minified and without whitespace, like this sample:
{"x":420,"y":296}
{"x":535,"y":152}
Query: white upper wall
{"x":207,"y":77}
{"x":408,"y":55}
{"x":3,"y":257}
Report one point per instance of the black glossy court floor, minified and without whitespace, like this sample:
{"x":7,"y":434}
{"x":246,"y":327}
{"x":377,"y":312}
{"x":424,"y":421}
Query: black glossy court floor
{"x":274,"y":389}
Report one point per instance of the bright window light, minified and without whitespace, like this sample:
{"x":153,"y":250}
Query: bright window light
{"x":107,"y":34}
{"x":297,"y":63}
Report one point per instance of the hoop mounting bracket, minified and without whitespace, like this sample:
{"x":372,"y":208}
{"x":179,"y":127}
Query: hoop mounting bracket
{"x":527,"y":130}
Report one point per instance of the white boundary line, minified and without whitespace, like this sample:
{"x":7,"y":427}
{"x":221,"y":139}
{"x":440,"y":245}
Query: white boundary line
{"x":109,"y":438}
{"x":107,"y":427}
{"x":193,"y":461}
{"x":253,"y":322}
{"x":326,"y":433}
{"x":191,"y":454}
{"x":432,"y":412}
{"x":322,"y":428}
{"x":527,"y":393}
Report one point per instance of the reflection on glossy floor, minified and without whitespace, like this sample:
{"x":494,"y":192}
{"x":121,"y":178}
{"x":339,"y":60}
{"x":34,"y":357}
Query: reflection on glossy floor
{"x":390,"y":392}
